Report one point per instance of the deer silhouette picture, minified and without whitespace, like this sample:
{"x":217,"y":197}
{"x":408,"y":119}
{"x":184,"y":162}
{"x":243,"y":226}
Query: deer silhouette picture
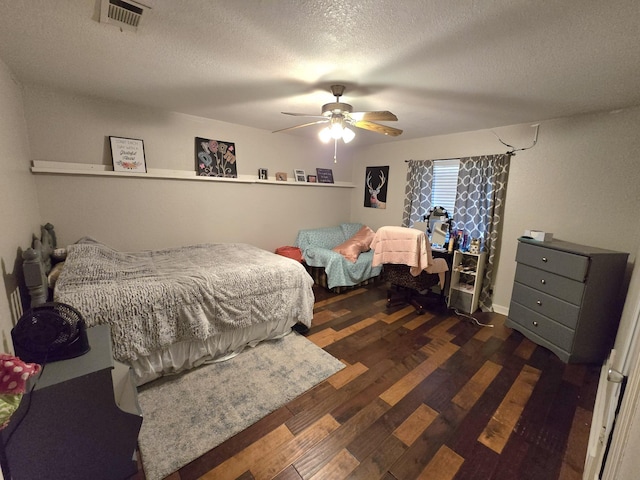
{"x":377,"y":197}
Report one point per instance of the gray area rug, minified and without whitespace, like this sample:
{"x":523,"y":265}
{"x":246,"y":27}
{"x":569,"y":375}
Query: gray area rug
{"x":187,"y":415}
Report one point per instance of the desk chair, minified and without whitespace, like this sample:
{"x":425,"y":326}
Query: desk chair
{"x":408,"y":265}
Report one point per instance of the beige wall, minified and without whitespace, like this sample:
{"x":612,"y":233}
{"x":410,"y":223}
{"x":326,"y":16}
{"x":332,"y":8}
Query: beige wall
{"x":133,"y":214}
{"x":581,"y":182}
{"x":19,"y":216}
{"x":578,"y":182}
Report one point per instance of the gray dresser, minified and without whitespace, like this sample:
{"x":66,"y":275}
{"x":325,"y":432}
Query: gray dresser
{"x":567,"y":298}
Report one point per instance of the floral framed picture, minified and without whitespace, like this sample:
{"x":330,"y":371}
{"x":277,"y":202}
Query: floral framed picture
{"x":127,"y":155}
{"x":215,"y":158}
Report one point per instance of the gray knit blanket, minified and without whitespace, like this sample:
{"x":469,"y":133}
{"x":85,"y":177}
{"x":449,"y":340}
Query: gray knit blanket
{"x":153,"y":299}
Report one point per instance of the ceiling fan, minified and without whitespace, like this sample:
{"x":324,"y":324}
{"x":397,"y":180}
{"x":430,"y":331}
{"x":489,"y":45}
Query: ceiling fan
{"x":339,"y":116}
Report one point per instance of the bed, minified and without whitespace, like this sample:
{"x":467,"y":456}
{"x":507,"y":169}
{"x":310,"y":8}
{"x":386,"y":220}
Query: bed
{"x":174,"y":309}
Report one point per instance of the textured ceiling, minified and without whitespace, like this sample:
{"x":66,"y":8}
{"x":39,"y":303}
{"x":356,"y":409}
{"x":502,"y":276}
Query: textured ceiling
{"x":440,"y":66}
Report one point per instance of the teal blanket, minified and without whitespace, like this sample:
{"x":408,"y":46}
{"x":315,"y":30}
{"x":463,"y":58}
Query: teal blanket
{"x":316,"y":245}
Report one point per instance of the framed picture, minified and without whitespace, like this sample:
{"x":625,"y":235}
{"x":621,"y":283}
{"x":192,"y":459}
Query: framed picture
{"x":281,"y":176}
{"x":127,"y":155}
{"x":325,"y":175}
{"x":312,"y":178}
{"x":300,"y":176}
{"x":375,"y":187}
{"x":263,"y":174}
{"x":215,"y":158}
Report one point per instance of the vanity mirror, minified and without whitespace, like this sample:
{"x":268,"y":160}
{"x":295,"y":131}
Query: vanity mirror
{"x":438,"y":226}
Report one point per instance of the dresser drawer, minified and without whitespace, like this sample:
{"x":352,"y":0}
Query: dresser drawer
{"x":542,"y":326}
{"x":555,"y":261}
{"x":550,"y":283}
{"x":562,"y":312}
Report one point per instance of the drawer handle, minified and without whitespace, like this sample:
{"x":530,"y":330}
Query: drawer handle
{"x":543,"y":281}
{"x":535,"y":324}
{"x":539,"y":302}
{"x":544,"y":259}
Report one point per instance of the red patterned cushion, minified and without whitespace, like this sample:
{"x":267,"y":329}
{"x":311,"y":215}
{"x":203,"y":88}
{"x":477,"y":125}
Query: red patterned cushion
{"x":290,"y":252}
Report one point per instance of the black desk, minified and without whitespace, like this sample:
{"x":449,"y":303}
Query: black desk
{"x":81,"y":421}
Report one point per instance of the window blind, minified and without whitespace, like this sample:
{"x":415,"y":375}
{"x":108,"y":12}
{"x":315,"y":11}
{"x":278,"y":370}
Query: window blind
{"x":445,"y":182}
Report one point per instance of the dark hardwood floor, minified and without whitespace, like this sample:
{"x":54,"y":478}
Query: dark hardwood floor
{"x":430,"y":396}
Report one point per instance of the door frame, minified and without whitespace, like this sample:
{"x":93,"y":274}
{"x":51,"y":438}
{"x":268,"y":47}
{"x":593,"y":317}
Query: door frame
{"x":608,"y":431}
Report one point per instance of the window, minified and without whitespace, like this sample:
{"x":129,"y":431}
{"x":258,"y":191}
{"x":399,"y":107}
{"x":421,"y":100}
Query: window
{"x":445,"y":182}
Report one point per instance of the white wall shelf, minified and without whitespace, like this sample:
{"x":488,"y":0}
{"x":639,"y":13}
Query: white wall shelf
{"x":66,"y":168}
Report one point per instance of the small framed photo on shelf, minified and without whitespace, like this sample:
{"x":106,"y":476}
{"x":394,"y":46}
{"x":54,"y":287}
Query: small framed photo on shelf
{"x":325,"y":175}
{"x":300,"y":176}
{"x":263,"y":174}
{"x":281,"y":176}
{"x":312,"y":178}
{"x":127,"y":155}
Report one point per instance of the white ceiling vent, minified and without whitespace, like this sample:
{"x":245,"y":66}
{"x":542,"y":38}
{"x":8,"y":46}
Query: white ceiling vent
{"x":121,"y":13}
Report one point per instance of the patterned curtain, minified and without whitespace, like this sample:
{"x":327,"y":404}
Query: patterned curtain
{"x":480,"y":197}
{"x":417,"y":200}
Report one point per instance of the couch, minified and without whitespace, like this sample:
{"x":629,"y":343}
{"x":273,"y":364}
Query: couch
{"x":338,"y":256}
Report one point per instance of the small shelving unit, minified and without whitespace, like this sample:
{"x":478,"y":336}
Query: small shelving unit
{"x":467,"y":271}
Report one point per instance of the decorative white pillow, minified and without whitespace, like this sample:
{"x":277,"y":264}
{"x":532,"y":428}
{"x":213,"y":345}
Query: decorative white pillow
{"x":59,"y":254}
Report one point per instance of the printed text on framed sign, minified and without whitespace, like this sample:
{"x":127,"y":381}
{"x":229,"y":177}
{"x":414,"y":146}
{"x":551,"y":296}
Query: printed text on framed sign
{"x":127,"y":155}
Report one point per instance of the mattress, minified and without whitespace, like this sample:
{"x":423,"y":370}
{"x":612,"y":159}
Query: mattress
{"x":174,"y":309}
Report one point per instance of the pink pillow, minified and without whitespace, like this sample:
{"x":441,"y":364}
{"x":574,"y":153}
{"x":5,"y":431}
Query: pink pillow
{"x":360,"y":242}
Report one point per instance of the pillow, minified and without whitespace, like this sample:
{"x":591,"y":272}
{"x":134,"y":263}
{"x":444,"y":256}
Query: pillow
{"x":360,"y":242}
{"x":59,"y":254}
{"x":87,"y":240}
{"x":52,"y":278}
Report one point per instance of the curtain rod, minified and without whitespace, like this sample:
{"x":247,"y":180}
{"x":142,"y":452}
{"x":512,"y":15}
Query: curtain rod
{"x":454,"y":158}
{"x":511,"y":153}
{"x":435,"y":159}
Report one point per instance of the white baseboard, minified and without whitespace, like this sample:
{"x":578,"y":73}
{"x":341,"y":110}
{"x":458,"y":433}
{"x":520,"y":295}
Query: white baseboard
{"x":501,"y":309}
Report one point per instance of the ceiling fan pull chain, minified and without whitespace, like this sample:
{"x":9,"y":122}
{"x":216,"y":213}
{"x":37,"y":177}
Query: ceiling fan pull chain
{"x":335,"y":150}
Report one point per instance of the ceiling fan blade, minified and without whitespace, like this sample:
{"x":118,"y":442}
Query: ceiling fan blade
{"x":383,"y":115}
{"x":376,"y":127}
{"x":325,"y":120}
{"x":303,"y":114}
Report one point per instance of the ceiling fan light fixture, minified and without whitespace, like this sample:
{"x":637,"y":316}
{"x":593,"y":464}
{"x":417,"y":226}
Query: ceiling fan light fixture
{"x":348,"y":135}
{"x":338,"y":116}
{"x":336,"y":131}
{"x":325,"y":135}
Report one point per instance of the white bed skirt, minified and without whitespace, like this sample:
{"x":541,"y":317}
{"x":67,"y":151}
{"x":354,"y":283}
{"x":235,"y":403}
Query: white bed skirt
{"x":190,"y":354}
